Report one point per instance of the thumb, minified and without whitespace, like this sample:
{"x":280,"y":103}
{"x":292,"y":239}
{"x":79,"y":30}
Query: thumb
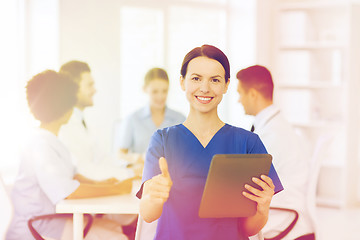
{"x":164,"y":167}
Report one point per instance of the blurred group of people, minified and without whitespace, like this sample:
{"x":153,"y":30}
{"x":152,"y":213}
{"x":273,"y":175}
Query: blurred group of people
{"x":61,"y":159}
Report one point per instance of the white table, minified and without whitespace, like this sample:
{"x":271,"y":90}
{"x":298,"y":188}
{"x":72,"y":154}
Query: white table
{"x":119,"y":204}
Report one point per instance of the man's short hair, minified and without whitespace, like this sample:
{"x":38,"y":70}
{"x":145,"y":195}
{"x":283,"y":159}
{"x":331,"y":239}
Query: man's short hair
{"x":75,"y":69}
{"x":50,"y":95}
{"x":259,"y":78}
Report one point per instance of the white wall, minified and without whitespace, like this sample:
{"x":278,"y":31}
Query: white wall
{"x":90,"y":32}
{"x":44,"y":34}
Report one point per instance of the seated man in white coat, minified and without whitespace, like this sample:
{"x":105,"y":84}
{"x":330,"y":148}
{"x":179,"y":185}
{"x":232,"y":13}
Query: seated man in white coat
{"x":90,"y":160}
{"x":256,"y":87}
{"x":78,"y":137}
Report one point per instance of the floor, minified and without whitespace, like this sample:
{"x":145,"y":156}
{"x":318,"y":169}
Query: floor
{"x":338,"y":224}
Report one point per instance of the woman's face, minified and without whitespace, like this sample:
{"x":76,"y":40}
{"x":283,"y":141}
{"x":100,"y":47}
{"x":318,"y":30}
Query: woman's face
{"x":204,"y":84}
{"x":157,"y":89}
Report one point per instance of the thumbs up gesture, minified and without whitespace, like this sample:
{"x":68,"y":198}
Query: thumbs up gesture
{"x":157,"y":189}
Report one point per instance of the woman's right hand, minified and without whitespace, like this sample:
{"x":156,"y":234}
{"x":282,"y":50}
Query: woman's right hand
{"x":157,"y":189}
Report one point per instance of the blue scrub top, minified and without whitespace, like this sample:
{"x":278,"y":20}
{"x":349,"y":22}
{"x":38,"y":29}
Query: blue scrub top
{"x":189,"y":163}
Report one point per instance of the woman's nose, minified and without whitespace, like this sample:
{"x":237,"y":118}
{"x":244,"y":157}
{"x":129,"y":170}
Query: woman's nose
{"x":204,"y":87}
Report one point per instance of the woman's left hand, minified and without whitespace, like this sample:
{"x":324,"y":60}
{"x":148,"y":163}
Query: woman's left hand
{"x":262,"y":197}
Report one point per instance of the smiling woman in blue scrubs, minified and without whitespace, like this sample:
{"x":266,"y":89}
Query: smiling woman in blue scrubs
{"x":179,"y":157}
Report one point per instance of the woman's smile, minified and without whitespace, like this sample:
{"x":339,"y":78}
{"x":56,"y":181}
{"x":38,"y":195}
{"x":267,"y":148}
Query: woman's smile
{"x":203,"y":99}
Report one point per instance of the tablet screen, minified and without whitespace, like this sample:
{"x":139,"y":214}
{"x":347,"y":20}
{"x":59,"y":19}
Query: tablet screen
{"x":228,"y":174}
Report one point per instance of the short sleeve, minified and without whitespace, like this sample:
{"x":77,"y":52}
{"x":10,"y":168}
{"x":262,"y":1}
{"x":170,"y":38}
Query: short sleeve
{"x":153,"y":154}
{"x":260,"y":148}
{"x":54,"y":174}
{"x":125,"y":134}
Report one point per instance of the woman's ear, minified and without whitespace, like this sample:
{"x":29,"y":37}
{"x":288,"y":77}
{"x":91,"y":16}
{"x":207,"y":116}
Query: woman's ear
{"x":182,"y":83}
{"x":227,"y":85}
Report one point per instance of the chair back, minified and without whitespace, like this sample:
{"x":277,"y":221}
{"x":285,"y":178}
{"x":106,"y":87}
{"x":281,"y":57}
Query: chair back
{"x":6,"y":209}
{"x":258,"y":236}
{"x":315,"y":165}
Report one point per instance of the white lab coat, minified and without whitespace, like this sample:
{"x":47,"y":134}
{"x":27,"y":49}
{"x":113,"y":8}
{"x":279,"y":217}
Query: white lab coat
{"x":291,"y":161}
{"x":90,"y":160}
{"x":45,"y":177}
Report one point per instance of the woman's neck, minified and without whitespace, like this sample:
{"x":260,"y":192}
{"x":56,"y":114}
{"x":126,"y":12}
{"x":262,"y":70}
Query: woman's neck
{"x":53,"y":127}
{"x":158,"y":111}
{"x":157,"y":115}
{"x":202,"y":124}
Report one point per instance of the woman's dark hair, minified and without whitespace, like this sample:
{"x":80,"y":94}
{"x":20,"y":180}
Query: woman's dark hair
{"x":155,"y":73}
{"x":210,"y":52}
{"x":259,"y":78}
{"x":75,"y":69}
{"x":50,"y":95}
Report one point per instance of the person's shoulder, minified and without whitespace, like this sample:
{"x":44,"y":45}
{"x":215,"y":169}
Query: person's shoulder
{"x":175,"y":114}
{"x":37,"y":140}
{"x":136,"y":115}
{"x":241,"y":133}
{"x":237,"y":130}
{"x":279,"y":126}
{"x":169,"y":130}
{"x":137,"y":112}
{"x":164,"y":135}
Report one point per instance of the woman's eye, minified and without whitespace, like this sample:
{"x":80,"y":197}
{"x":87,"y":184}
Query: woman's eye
{"x":215,"y":80}
{"x":196,"y":78}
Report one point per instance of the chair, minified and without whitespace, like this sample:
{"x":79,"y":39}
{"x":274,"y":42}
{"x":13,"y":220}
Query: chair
{"x":6,"y":210}
{"x":37,"y":235}
{"x":288,"y":228}
{"x":315,"y":165}
{"x":7,"y":213}
{"x":258,"y":236}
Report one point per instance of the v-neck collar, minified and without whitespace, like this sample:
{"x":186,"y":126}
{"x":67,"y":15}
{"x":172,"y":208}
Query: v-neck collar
{"x":197,"y":140}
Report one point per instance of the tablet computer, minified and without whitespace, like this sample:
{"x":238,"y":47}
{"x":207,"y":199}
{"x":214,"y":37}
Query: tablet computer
{"x":228,"y":174}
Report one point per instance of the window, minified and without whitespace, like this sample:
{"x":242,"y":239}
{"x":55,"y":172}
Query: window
{"x":142,"y":41}
{"x":160,"y":34}
{"x":11,"y":62}
{"x":30,"y":46}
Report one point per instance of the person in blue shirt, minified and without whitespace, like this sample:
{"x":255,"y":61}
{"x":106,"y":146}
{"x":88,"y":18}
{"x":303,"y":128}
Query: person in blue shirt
{"x":178,"y":159}
{"x":136,"y":131}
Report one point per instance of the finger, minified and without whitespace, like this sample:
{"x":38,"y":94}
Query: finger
{"x":160,"y":195}
{"x":261,"y":183}
{"x":161,"y":180}
{"x":253,"y":190}
{"x":268,"y":180}
{"x":250,"y":196}
{"x":164,"y":167}
{"x":162,"y":185}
